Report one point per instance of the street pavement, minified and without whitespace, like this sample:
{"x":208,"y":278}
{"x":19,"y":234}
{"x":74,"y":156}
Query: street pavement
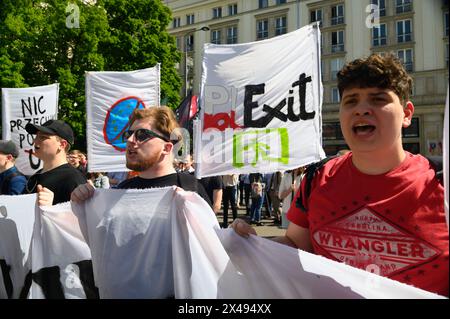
{"x":268,"y":229}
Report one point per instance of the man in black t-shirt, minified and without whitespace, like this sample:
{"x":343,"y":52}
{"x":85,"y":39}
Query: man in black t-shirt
{"x":150,"y":152}
{"x":213,"y":186}
{"x":51,"y":144}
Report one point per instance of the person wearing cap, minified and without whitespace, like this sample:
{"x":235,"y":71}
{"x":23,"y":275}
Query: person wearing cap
{"x":150,"y":153}
{"x":51,"y":145}
{"x":12,"y":181}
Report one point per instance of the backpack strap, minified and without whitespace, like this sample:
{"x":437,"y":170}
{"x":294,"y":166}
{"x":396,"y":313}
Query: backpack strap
{"x":436,"y":163}
{"x":308,"y":177}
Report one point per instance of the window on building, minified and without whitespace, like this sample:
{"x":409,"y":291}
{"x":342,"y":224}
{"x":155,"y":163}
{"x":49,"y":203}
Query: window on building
{"x":231,"y":35}
{"x":413,"y":129}
{"x":190,"y":19}
{"x":331,"y":131}
{"x":263,"y":4}
{"x":402,"y":6}
{"x":178,"y":43}
{"x":280,"y":25}
{"x":176,"y":22}
{"x":336,"y":66}
{"x":215,"y":36}
{"x":406,"y":56}
{"x":280,"y":2}
{"x":413,"y":148}
{"x":262,"y":29}
{"x":232,"y":9}
{"x":189,"y":42}
{"x":217,"y":12}
{"x":335,"y":98}
{"x":321,"y":42}
{"x":379,"y":35}
{"x":446,"y":55}
{"x":337,"y":14}
{"x":316,"y":15}
{"x":381,"y":4}
{"x":322,"y":68}
{"x":404,"y":31}
{"x":446,"y":24}
{"x":337,"y":41}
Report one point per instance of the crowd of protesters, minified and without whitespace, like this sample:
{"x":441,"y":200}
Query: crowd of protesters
{"x":394,"y":187}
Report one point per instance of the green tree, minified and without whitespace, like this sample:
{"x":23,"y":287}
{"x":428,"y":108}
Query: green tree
{"x":139,"y":40}
{"x":37,"y":47}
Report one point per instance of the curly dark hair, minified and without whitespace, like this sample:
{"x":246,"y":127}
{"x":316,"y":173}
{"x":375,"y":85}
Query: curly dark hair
{"x":386,"y":72}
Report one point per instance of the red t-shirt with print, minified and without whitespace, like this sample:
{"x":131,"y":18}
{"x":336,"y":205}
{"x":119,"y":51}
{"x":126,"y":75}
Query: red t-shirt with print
{"x":392,"y":223}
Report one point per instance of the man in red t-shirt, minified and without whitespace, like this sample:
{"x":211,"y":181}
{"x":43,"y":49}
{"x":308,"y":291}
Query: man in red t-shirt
{"x":377,"y":208}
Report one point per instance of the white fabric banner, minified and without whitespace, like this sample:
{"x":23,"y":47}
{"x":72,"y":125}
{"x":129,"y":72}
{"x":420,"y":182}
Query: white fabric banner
{"x":21,"y":106}
{"x":161,"y":243}
{"x":111,"y":97}
{"x":61,"y":259}
{"x":261,"y":105}
{"x":273,"y":270}
{"x":16,"y":229}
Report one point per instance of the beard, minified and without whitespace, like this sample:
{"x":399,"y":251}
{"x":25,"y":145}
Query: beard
{"x":141,"y":165}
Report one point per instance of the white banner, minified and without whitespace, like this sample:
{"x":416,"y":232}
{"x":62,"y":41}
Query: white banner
{"x":21,"y":106}
{"x":16,"y":229}
{"x":260,"y":105}
{"x":111,"y":97}
{"x":160,"y":243}
{"x":61,"y":259}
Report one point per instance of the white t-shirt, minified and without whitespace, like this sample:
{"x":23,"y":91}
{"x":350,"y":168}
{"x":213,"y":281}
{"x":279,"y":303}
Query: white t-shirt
{"x":286,"y":182}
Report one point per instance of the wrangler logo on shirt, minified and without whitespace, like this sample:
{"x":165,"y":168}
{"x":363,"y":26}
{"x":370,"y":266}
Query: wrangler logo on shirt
{"x":363,"y":238}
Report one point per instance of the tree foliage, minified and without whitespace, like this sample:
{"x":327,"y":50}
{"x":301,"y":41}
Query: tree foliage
{"x":37,"y":47}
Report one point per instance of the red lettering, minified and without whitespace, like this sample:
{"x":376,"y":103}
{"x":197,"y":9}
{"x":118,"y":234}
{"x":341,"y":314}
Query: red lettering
{"x":337,"y":241}
{"x":324,"y":238}
{"x":350,"y":243}
{"x":363,"y":244}
{"x":220,"y":121}
{"x":377,"y":246}
{"x":417,"y":251}
{"x":389,"y":248}
{"x":402,"y":249}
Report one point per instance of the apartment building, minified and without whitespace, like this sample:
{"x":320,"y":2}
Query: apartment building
{"x":415,"y":30}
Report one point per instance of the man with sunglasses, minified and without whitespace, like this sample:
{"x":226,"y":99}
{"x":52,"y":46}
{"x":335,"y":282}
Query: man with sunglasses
{"x":150,"y":152}
{"x":51,"y":144}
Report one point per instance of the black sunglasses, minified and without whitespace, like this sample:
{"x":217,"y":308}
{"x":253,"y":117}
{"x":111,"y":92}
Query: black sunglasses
{"x":142,"y":135}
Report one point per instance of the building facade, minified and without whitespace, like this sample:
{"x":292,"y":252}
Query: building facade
{"x":415,"y":30}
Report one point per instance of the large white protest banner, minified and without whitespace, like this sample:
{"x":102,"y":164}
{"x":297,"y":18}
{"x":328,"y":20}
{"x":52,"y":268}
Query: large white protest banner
{"x":273,"y":270}
{"x":16,"y":229}
{"x":162,"y":243}
{"x":260,"y":105}
{"x":138,"y":243}
{"x":111,"y":97}
{"x":60,"y":258}
{"x":21,"y":106}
